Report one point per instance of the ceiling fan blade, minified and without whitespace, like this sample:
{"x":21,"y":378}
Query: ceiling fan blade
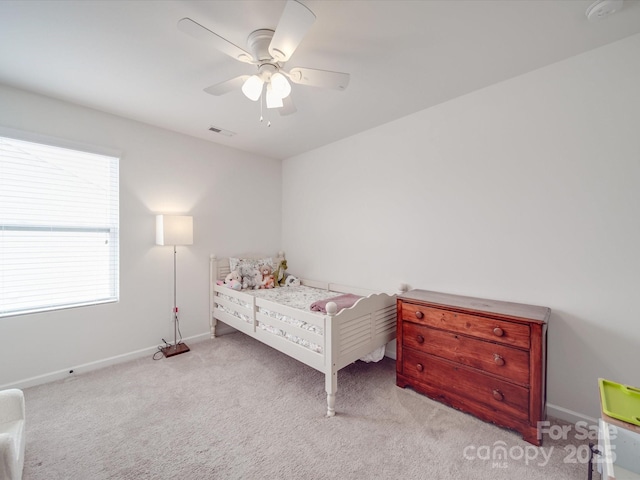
{"x":287,"y":106}
{"x":319,"y":78}
{"x":295,"y":21}
{"x":199,"y":32}
{"x":227,"y":86}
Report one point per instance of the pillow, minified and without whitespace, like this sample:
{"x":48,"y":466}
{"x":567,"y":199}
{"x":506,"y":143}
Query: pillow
{"x":243,"y":263}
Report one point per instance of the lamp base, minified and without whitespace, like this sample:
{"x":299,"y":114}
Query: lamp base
{"x":172,"y":350}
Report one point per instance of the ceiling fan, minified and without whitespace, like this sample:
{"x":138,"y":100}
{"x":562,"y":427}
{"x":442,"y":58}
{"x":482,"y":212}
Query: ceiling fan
{"x":269,"y":50}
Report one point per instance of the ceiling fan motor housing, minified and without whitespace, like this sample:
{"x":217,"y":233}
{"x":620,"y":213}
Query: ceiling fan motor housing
{"x":258,"y":43}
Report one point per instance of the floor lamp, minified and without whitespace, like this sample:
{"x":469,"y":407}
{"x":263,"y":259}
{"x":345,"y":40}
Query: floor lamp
{"x":174,"y":230}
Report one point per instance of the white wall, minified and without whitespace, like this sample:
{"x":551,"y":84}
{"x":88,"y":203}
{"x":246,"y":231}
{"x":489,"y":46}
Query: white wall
{"x":160,"y":172}
{"x":526,"y":191}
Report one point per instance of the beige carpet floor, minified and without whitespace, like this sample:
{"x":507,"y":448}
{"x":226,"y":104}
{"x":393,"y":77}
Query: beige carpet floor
{"x":233,"y":408}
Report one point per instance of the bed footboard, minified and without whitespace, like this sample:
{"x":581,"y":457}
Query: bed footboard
{"x":353,"y":333}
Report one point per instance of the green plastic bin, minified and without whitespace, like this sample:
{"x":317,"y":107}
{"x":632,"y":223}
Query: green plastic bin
{"x":620,"y":401}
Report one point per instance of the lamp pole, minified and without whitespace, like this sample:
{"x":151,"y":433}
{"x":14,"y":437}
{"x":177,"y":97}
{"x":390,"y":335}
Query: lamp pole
{"x":176,"y":348}
{"x":174,"y":230}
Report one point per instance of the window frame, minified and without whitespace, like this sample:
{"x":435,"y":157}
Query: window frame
{"x":112,"y":230}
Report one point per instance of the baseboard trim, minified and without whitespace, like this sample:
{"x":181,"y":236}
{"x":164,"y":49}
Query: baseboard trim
{"x":569,"y":415}
{"x":87,"y":367}
{"x":390,"y":350}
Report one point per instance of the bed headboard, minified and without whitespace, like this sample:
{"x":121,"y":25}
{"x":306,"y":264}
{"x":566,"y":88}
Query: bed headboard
{"x":219,"y":267}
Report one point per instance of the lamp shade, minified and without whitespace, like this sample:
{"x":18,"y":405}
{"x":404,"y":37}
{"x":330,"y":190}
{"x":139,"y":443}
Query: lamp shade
{"x":274,"y":100}
{"x":174,"y":230}
{"x":280,"y":85}
{"x":252,"y":87}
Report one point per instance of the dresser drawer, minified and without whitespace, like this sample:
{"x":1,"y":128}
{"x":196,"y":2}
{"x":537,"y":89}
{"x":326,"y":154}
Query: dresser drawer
{"x":464,"y":382}
{"x":495,"y":358}
{"x":508,"y":333}
{"x":482,"y":356}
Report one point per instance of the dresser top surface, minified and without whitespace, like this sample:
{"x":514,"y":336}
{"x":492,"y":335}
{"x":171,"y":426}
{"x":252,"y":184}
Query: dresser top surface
{"x":480,"y":305}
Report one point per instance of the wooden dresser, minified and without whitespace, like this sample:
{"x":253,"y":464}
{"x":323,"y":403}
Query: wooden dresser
{"x":485,"y":357}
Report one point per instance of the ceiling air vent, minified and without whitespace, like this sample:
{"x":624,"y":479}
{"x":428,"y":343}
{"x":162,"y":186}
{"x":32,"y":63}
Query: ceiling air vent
{"x":222,"y":131}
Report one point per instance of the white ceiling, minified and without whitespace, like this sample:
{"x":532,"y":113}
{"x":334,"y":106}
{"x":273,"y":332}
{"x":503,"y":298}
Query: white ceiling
{"x":128,"y":58}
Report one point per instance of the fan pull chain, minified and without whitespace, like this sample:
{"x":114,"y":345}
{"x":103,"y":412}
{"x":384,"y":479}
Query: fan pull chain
{"x":261,"y":116}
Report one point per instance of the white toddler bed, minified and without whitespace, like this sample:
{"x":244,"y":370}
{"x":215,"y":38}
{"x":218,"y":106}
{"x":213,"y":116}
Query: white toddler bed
{"x":281,"y":318}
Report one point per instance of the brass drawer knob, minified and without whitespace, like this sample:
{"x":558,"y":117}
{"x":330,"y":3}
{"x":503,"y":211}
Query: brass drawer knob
{"x":419,"y":315}
{"x":497,"y":394}
{"x":498,"y":332}
{"x":498,"y":359}
{"x":420,"y":339}
{"x":420,"y":367}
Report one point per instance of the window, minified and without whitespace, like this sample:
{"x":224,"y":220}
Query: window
{"x":59,"y":222}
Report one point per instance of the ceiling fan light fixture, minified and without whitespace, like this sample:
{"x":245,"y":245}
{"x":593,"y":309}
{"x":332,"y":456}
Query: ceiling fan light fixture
{"x":274,"y":100}
{"x":268,"y":50}
{"x":280,"y":84}
{"x":252,"y":87}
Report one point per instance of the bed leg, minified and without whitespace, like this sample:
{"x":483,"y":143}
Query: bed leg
{"x":331,"y":385}
{"x":331,"y":404}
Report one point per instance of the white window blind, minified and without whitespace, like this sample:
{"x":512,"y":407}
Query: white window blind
{"x":59,"y":219}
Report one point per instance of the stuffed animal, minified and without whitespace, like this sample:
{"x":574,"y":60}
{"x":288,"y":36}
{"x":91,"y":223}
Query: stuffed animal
{"x":234,"y":275}
{"x":280,"y":273}
{"x":292,"y":281}
{"x":251,"y":278}
{"x":232,"y":280}
{"x":267,"y":277}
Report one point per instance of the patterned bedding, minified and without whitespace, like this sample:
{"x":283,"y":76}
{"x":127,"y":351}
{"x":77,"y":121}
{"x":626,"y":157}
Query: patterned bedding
{"x":300,"y":297}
